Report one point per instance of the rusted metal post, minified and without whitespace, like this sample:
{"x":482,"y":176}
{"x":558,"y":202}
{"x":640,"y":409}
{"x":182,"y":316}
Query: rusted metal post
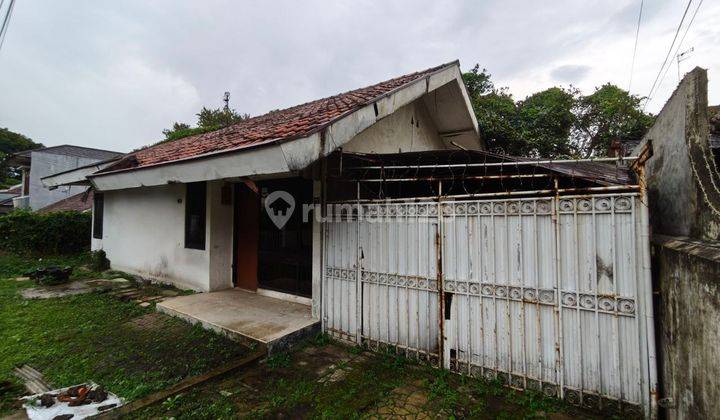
{"x":559,"y":353}
{"x":358,"y":274}
{"x":439,"y":273}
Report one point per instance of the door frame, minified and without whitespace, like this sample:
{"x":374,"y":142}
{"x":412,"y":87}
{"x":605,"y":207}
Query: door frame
{"x":237,"y":203}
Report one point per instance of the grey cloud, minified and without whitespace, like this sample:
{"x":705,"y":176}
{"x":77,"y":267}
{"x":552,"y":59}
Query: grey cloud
{"x":114,"y":74}
{"x":570,"y":73}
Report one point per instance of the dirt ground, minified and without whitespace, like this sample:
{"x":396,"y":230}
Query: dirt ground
{"x":329,"y":380}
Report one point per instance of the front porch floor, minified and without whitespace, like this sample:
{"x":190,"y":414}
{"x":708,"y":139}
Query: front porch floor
{"x":246,"y":316}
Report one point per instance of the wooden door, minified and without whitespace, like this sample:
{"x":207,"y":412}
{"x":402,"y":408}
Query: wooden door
{"x":247,"y":237}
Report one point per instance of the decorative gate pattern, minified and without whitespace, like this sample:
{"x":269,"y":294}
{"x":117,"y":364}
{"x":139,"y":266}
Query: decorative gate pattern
{"x":542,"y":293}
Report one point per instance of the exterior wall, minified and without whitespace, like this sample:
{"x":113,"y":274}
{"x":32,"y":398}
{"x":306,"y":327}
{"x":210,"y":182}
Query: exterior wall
{"x":220,"y":244}
{"x":44,"y":164}
{"x":689,"y":277}
{"x":684,"y":200}
{"x":143,"y":234}
{"x":681,"y":176}
{"x":409,"y":129}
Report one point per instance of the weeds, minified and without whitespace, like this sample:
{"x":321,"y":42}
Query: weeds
{"x":92,"y":336}
{"x":278,"y":360}
{"x":442,"y":392}
{"x":321,"y":340}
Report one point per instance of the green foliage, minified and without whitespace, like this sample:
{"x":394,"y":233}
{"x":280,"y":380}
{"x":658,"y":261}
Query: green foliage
{"x":442,"y":392}
{"x":478,"y":82}
{"x":321,"y":339}
{"x":99,"y":260}
{"x":556,"y":122}
{"x":221,"y":117}
{"x":607,"y":114}
{"x":94,"y":337}
{"x":11,"y":142}
{"x":278,"y":360}
{"x":546,"y":120}
{"x":25,"y":232}
{"x":209,"y":119}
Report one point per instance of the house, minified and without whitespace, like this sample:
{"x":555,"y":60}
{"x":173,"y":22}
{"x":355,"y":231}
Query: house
{"x":166,"y":212}
{"x":377,"y":216}
{"x":38,"y":163}
{"x":6,"y":198}
{"x":81,"y":202}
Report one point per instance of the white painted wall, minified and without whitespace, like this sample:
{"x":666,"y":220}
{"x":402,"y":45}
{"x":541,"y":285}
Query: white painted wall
{"x":409,"y":129}
{"x":143,"y":234}
{"x":220,"y":228}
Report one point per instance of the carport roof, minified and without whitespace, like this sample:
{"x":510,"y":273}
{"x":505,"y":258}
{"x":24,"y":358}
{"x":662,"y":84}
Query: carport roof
{"x":276,"y":126}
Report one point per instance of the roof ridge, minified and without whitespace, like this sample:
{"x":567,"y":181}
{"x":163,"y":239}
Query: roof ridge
{"x":280,"y":125}
{"x":275,"y":111}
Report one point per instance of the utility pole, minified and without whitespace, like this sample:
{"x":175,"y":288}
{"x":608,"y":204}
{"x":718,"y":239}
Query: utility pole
{"x":226,"y":99}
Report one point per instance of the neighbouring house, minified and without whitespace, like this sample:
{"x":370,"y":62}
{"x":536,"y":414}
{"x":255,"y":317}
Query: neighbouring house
{"x":6,"y":198}
{"x":38,"y":163}
{"x":81,"y":202}
{"x":377,"y":216}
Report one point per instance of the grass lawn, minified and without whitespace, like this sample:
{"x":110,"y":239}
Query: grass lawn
{"x":96,"y":337}
{"x":333,"y":381}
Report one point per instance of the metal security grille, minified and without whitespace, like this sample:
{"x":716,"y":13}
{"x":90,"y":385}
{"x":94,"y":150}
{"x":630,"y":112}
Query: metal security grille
{"x":549,"y":293}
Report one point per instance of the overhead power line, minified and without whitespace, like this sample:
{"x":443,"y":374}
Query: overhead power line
{"x":677,"y":31}
{"x":637,"y":35}
{"x":6,"y":22}
{"x":677,"y":50}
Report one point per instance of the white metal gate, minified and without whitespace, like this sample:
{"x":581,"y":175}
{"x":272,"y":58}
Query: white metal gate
{"x":545,"y":293}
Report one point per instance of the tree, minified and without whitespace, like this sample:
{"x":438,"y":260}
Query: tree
{"x":208,"y":120}
{"x":607,"y":114}
{"x":546,"y":121}
{"x":220,"y":117}
{"x":11,"y":142}
{"x":538,"y":126}
{"x":556,"y":122}
{"x":495,"y":111}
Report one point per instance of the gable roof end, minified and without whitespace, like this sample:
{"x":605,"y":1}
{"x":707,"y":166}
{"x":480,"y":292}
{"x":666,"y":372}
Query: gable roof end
{"x":288,"y":140}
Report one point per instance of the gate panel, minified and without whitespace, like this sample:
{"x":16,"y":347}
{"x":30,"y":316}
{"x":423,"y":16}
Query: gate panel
{"x":547,"y":294}
{"x":399,"y":277}
{"x":498,"y":266}
{"x":550,"y":294}
{"x":340,"y":272}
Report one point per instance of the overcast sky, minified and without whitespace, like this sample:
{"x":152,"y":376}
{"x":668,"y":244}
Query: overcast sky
{"x":112,"y":74}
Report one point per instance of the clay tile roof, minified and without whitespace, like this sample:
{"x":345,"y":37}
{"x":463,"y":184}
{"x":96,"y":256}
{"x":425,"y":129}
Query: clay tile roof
{"x":78,"y":202}
{"x":291,"y":123}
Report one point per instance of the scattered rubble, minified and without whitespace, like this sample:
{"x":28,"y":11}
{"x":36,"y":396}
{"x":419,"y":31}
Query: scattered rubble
{"x":50,"y":275}
{"x":76,"y":402}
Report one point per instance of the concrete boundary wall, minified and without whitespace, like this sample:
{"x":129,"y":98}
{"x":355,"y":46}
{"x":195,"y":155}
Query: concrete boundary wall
{"x":684,"y":197}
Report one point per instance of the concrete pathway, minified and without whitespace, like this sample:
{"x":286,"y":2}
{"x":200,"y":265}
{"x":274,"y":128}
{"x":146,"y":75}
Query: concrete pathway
{"x":245,"y":316}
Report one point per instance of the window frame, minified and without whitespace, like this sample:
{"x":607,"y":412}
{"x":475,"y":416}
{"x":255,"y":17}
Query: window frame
{"x":196,"y":206}
{"x":98,"y":215}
